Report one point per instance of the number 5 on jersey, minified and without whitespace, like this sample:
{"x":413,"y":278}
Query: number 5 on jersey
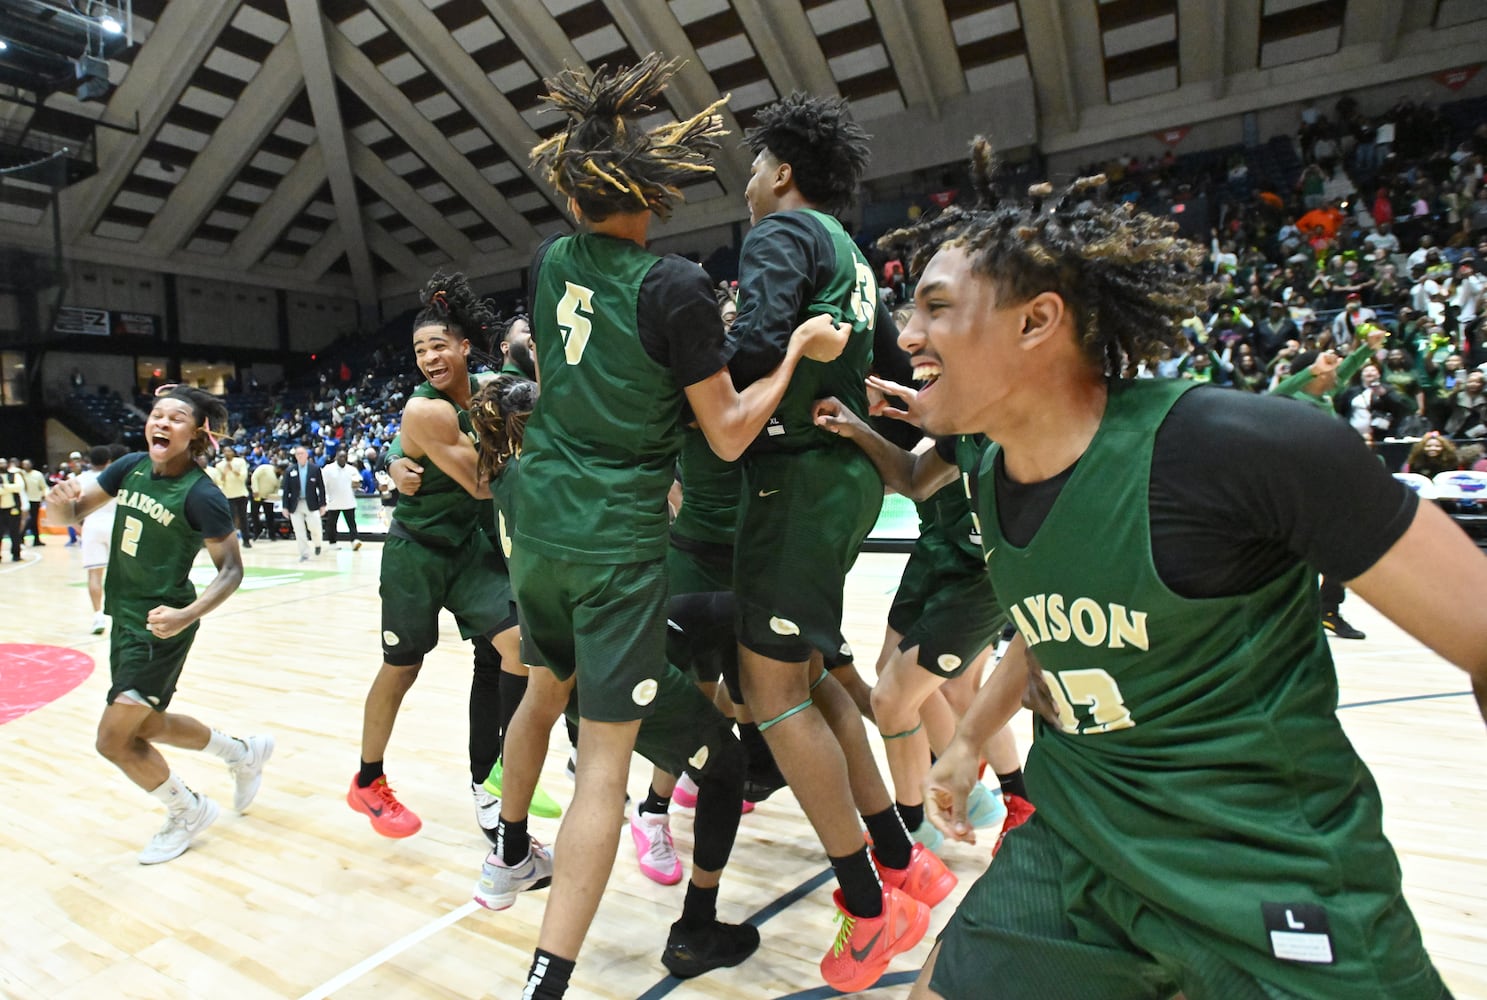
{"x":573,"y":312}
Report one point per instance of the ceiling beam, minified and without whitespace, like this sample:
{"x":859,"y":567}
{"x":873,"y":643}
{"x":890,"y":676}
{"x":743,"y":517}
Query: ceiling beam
{"x":653,"y":28}
{"x":1379,"y":24}
{"x":1202,"y":44}
{"x":430,"y":42}
{"x":405,"y":201}
{"x":276,"y":214}
{"x":381,"y":242}
{"x":537,"y":34}
{"x":181,"y":40}
{"x":310,"y":31}
{"x":326,"y":251}
{"x":118,"y":253}
{"x":785,"y":40}
{"x":917,"y":36}
{"x":1241,"y":53}
{"x":424,"y":138}
{"x":1049,"y":60}
{"x":258,"y":110}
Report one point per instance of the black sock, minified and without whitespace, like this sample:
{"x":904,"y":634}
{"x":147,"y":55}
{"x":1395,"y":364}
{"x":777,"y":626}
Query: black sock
{"x":861,"y":891}
{"x":1012,"y":783}
{"x":370,"y":772}
{"x":700,"y":907}
{"x":655,"y":803}
{"x":572,"y":732}
{"x":913,"y":816}
{"x":548,"y":977}
{"x":512,"y":841}
{"x":890,"y":840}
{"x":513,"y":686}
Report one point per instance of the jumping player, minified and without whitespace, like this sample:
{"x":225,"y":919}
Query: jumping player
{"x":623,"y":339}
{"x":167,"y":510}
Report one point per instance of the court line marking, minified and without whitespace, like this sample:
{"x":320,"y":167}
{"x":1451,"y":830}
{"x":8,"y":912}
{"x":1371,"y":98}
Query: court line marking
{"x":30,"y":560}
{"x":391,"y":951}
{"x":761,"y":916}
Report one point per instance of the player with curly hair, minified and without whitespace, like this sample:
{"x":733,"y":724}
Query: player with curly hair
{"x":437,"y":555}
{"x":808,"y":501}
{"x":624,"y":339}
{"x":167,"y":511}
{"x":1203,"y":824}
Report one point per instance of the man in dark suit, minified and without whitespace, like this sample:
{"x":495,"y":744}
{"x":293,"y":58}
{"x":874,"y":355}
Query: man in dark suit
{"x":304,"y":498}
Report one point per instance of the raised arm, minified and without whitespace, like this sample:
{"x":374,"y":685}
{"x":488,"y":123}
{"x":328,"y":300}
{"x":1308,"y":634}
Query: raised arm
{"x":431,"y":428}
{"x":731,"y":419}
{"x":71,"y":500}
{"x":915,"y":474}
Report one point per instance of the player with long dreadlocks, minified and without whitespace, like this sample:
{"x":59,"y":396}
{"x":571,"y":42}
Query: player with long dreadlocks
{"x":808,"y":501}
{"x":167,"y":511}
{"x":624,"y":340}
{"x":1203,"y":824}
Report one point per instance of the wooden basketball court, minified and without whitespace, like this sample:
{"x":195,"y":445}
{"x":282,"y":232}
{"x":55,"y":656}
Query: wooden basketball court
{"x":300,"y":899}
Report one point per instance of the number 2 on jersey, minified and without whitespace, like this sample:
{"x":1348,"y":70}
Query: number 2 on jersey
{"x":573,"y":311}
{"x":129,"y":539}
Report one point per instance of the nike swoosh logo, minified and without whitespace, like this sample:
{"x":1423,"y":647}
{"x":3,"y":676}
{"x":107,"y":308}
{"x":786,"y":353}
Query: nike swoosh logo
{"x":768,"y":493}
{"x":861,"y":955}
{"x":374,"y":810}
{"x":989,"y":552}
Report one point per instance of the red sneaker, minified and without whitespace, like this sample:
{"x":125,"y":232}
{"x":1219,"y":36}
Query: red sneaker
{"x":1018,"y":811}
{"x":926,"y":879}
{"x":865,"y":945}
{"x":387,"y":814}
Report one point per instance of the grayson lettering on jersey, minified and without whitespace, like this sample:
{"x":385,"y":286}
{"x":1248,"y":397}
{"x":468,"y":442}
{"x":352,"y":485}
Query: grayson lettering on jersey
{"x":146,"y":505}
{"x":1051,"y":618}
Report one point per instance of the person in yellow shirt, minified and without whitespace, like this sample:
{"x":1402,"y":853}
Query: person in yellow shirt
{"x":232,"y":478}
{"x":35,"y":490}
{"x":265,"y":495}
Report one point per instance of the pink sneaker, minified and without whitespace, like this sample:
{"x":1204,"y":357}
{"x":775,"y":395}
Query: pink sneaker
{"x":654,"y":849}
{"x":684,"y":796}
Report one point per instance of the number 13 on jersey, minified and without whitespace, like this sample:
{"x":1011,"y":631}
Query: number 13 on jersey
{"x":574,"y":310}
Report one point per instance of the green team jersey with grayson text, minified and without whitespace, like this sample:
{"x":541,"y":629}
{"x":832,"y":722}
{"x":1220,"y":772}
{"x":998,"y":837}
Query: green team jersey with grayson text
{"x":1199,"y":761}
{"x":158,"y":530}
{"x":619,"y":333}
{"x":442,"y":514}
{"x":794,"y":265}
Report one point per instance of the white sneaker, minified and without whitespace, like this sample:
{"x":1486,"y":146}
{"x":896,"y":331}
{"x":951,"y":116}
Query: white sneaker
{"x":248,"y":772}
{"x":499,"y":884}
{"x":178,"y":832}
{"x":100,"y":622}
{"x":487,"y":810}
{"x":654,"y":849}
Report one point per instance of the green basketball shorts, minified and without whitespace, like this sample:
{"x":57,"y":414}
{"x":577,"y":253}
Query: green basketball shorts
{"x":139,"y":662}
{"x":418,"y":580}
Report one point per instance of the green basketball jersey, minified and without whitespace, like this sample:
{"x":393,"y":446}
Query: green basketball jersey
{"x":849,"y":295}
{"x":709,"y":492}
{"x":602,"y":441}
{"x":1199,"y":759}
{"x":442,"y":513}
{"x":149,"y":562}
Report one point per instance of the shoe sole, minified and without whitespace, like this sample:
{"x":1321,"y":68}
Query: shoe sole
{"x":355,"y":803}
{"x":505,"y":900}
{"x":268,"y":752}
{"x":213,"y":811}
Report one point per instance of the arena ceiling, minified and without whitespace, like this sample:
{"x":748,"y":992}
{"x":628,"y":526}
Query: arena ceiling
{"x":354,"y":146}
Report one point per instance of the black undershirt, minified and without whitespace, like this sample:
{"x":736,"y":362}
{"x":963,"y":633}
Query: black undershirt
{"x":206,"y":508}
{"x":1242,"y":488}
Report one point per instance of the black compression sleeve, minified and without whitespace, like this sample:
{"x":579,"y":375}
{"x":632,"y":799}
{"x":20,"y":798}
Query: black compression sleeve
{"x":779,"y":264}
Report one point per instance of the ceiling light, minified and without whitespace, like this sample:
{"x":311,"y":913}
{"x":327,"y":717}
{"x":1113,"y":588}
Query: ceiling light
{"x":3,"y":45}
{"x":109,"y":25}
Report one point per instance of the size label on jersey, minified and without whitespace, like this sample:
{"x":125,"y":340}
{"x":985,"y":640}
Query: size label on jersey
{"x":1298,"y":932}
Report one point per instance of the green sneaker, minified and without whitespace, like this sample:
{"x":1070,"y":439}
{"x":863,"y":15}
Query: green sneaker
{"x":543,"y":805}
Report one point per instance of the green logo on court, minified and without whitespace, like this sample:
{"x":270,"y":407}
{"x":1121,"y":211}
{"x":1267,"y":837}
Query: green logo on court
{"x":260,"y":577}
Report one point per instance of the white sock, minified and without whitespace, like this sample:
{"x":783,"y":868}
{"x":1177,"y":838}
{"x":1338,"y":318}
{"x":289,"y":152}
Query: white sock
{"x":176,"y":796}
{"x":229,"y":748}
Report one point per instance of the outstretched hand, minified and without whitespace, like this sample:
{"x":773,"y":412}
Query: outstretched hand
{"x":878,"y":389}
{"x":947,"y":790}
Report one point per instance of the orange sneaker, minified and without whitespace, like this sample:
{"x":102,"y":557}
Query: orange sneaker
{"x":865,"y":945}
{"x":926,"y":879}
{"x":1018,"y":811}
{"x":379,"y":804}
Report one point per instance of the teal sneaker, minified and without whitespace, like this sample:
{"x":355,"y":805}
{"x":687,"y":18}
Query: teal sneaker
{"x":985,"y":807}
